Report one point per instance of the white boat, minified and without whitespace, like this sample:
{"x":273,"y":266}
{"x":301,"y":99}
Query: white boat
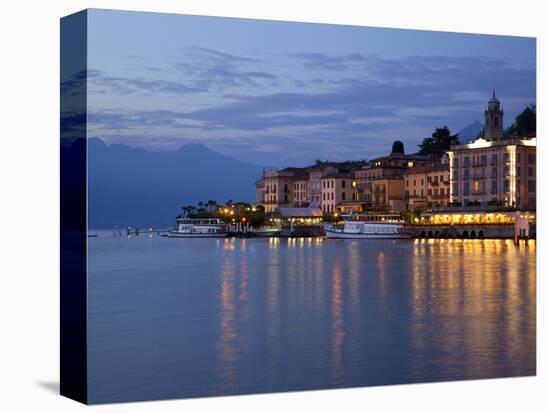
{"x":371,"y":226}
{"x":197,"y":227}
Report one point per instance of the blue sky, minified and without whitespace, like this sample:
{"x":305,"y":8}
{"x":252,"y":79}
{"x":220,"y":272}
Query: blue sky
{"x":278,"y":93}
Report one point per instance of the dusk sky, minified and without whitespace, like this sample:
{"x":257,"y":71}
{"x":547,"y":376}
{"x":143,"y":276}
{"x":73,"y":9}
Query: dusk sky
{"x":276,"y":93}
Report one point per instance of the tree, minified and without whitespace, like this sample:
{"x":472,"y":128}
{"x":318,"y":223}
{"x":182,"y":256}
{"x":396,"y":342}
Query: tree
{"x":525,"y":124}
{"x":212,"y":205}
{"x":188,"y":210}
{"x":439,"y":143}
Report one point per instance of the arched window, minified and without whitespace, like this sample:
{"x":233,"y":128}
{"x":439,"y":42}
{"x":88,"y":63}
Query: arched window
{"x":496,"y":120}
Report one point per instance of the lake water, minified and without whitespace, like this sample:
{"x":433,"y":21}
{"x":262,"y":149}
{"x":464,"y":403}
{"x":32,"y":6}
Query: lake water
{"x":172,"y":318}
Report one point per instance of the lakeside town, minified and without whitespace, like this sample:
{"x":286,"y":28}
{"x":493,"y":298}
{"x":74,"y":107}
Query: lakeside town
{"x":485,"y":188}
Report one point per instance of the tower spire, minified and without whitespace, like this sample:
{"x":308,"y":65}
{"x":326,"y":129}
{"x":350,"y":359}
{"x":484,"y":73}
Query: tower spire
{"x":493,"y":119}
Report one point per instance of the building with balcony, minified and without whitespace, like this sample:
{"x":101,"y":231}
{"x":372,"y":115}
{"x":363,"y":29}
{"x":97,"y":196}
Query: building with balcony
{"x":427,"y":186}
{"x":316,"y":173}
{"x":301,"y":195}
{"x":279,"y":187}
{"x":336,"y":188}
{"x":260,"y":190}
{"x":380,"y":184}
{"x":493,"y":170}
{"x":498,"y":172}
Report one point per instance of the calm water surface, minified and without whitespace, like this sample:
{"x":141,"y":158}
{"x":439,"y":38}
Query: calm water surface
{"x":173,"y":318}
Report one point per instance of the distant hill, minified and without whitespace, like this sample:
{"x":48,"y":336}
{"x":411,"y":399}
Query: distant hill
{"x":134,"y":187}
{"x":470,"y":132}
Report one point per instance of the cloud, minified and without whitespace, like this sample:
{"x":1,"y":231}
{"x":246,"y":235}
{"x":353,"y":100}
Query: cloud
{"x":215,"y":71}
{"x":327,"y":62}
{"x":335,"y":106}
{"x":140,"y":85}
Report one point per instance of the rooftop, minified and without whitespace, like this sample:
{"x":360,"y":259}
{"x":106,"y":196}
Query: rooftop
{"x":483,"y":143}
{"x":427,"y":169}
{"x":338,"y":175}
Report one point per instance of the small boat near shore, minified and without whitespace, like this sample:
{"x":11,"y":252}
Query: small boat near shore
{"x":198,"y":228}
{"x":369,"y":226}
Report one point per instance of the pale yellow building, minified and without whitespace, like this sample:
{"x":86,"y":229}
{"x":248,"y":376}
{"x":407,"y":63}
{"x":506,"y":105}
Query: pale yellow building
{"x":380,"y":185}
{"x":316,"y":173}
{"x":301,"y":195}
{"x":279,"y":190}
{"x":427,"y":186}
{"x":335,"y":189}
{"x":498,"y":172}
{"x":494,"y":170}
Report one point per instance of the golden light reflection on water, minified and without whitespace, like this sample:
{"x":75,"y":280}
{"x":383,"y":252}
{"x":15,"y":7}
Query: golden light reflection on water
{"x":473,"y":299}
{"x":465,"y":308}
{"x":228,"y":334}
{"x":234,"y":309}
{"x":337,"y":326}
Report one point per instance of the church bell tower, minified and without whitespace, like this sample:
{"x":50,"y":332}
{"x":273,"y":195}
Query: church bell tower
{"x":494,"y":115}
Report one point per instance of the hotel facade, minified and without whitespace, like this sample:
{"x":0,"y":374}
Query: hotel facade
{"x":501,"y":172}
{"x":492,"y":170}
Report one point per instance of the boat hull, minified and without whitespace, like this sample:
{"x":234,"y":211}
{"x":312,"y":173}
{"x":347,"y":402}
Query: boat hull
{"x":176,"y":235}
{"x":342,"y":235}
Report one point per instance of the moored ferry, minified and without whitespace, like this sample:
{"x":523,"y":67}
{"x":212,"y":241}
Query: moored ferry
{"x":369,"y":226}
{"x":198,"y":227}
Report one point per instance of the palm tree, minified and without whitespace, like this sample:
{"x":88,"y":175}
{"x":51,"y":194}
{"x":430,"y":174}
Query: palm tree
{"x":212,"y":205}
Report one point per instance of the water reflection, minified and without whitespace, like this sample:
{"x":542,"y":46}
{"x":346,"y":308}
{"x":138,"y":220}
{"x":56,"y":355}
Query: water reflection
{"x":307,"y":313}
{"x":338,"y":334}
{"x":472,"y":310}
{"x":228,"y":334}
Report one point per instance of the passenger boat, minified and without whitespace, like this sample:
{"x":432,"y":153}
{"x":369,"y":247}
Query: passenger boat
{"x":198,"y":227}
{"x":369,"y":226}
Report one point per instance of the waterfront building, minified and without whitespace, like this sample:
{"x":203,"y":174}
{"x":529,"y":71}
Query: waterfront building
{"x":427,"y":186}
{"x":316,"y":173}
{"x":380,"y":184}
{"x":260,"y":190}
{"x":279,"y":187}
{"x":494,"y":170}
{"x":499,"y":172}
{"x":301,"y":196}
{"x":473,"y":216}
{"x":336,"y":188}
{"x":301,"y":216}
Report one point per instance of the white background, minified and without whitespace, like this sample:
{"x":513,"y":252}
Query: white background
{"x":29,"y":206}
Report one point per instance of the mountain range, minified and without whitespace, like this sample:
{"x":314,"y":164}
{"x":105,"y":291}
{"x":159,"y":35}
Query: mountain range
{"x":470,"y":132}
{"x":130,"y":186}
